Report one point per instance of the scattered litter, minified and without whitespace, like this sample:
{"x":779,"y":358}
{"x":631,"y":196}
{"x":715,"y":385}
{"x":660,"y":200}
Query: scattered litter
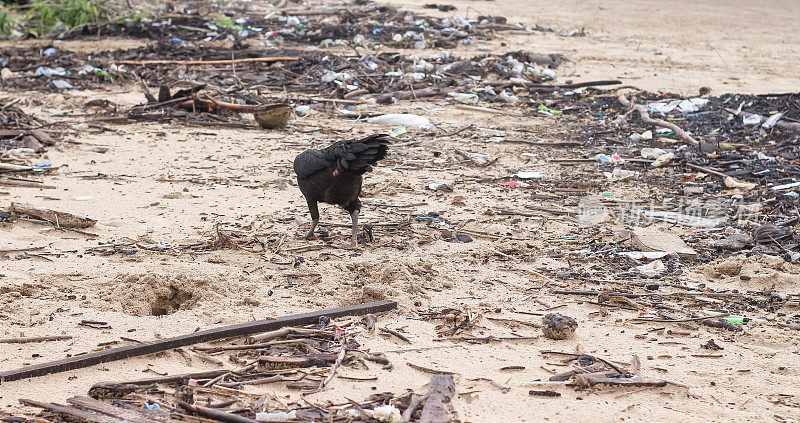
{"x":732,"y":182}
{"x":528,"y":175}
{"x":785,"y":186}
{"x":771,"y":121}
{"x":60,"y":84}
{"x":466,"y":98}
{"x":619,"y":175}
{"x":646,"y":255}
{"x":689,"y":105}
{"x":403,"y":119}
{"x":663,"y":160}
{"x":750,"y":120}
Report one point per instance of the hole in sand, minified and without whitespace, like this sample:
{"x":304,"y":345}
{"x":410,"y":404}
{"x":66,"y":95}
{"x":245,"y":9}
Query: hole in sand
{"x":156,"y":295}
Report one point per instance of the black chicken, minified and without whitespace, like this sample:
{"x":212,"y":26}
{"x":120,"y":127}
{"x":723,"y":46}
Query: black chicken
{"x":333,"y":175}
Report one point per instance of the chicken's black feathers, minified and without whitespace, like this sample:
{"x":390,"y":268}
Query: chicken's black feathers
{"x":353,"y":156}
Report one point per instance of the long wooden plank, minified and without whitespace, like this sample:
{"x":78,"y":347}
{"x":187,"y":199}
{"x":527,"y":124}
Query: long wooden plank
{"x":131,"y":416}
{"x":83,"y":415}
{"x":242,"y":329}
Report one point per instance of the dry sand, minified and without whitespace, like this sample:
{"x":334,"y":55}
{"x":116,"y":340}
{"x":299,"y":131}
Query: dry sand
{"x":171,"y":184}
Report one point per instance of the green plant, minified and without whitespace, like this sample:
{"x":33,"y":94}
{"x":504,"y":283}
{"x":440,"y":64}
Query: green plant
{"x":226,"y":22}
{"x":130,"y":16}
{"x":42,"y":16}
{"x":45,"y":14}
{"x":7,"y":21}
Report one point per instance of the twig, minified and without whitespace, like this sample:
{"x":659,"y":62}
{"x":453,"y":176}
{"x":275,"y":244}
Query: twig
{"x":706,"y":170}
{"x":428,"y":369}
{"x":147,"y":94}
{"x":334,"y":368}
{"x":692,"y":319}
{"x":144,"y":107}
{"x":20,"y":250}
{"x":34,"y":339}
{"x":395,"y":333}
{"x":413,"y":405}
{"x":25,"y":184}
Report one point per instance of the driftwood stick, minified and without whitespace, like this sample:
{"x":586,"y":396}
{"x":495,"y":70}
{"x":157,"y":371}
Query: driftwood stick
{"x":280,"y":333}
{"x":146,"y":91}
{"x":259,"y":381}
{"x":238,"y":107}
{"x":412,"y":406}
{"x":58,"y":218}
{"x":428,"y":369}
{"x":334,"y":368}
{"x":395,"y":333}
{"x":11,"y":166}
{"x":214,"y":381}
{"x":691,"y":319}
{"x":282,"y":362}
{"x":387,"y":98}
{"x":81,"y":415}
{"x":25,"y":184}
{"x":34,"y":339}
{"x":183,"y":378}
{"x":209,"y":359}
{"x":590,"y":84}
{"x":242,"y":329}
{"x":207,"y":62}
{"x":19,"y":250}
{"x":126,"y":414}
{"x":215,"y":349}
{"x":706,"y":170}
{"x":144,"y":107}
{"x":657,"y":122}
{"x":213,"y":413}
{"x":594,"y":380}
{"x":440,"y":392}
{"x":269,"y":335}
{"x":625,"y":381}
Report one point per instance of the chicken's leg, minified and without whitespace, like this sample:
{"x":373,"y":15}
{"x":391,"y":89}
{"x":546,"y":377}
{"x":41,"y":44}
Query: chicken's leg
{"x":354,"y":217}
{"x":312,"y":208}
{"x":310,"y":234}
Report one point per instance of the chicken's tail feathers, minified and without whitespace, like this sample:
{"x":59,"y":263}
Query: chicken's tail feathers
{"x":361,"y":155}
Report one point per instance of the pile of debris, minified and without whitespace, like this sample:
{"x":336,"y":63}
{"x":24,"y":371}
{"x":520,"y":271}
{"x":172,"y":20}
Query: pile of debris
{"x":304,"y":358}
{"x":589,"y":370}
{"x":361,"y":24}
{"x":22,"y":132}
